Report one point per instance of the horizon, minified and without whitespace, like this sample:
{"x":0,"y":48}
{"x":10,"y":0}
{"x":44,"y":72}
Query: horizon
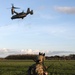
{"x":6,"y":52}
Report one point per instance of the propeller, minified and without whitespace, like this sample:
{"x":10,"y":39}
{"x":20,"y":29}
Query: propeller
{"x":14,"y":7}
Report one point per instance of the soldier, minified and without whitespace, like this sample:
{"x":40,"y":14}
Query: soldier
{"x":38,"y":68}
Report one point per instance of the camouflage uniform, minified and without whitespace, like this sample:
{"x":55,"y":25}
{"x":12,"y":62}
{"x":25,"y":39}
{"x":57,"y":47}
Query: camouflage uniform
{"x":38,"y":68}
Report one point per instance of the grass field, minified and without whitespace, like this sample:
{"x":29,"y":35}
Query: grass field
{"x":19,"y":67}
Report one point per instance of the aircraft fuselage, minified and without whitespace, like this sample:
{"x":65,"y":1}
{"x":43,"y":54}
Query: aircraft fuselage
{"x":20,"y":15}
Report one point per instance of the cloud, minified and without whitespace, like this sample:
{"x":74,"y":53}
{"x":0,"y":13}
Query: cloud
{"x":47,"y":52}
{"x":68,"y":10}
{"x":60,"y":53}
{"x":30,"y":51}
{"x":5,"y":52}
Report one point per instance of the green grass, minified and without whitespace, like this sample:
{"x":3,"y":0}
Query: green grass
{"x":20,"y":67}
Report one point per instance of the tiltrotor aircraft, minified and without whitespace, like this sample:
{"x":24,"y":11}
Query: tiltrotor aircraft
{"x":16,"y":15}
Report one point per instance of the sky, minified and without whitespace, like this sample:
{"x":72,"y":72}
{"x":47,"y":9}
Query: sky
{"x":51,"y":28}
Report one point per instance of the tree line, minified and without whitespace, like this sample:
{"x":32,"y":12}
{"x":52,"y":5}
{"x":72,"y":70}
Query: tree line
{"x":22,"y":57}
{"x":33,"y":57}
{"x":56,"y":57}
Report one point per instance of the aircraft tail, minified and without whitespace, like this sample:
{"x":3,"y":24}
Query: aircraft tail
{"x":29,"y":12}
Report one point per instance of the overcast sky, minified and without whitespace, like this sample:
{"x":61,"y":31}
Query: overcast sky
{"x":51,"y":29}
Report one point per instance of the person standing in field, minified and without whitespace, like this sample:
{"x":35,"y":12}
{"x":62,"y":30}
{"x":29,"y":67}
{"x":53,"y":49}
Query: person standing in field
{"x":38,"y":68}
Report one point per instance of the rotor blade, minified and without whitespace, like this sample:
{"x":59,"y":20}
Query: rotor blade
{"x":14,"y":7}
